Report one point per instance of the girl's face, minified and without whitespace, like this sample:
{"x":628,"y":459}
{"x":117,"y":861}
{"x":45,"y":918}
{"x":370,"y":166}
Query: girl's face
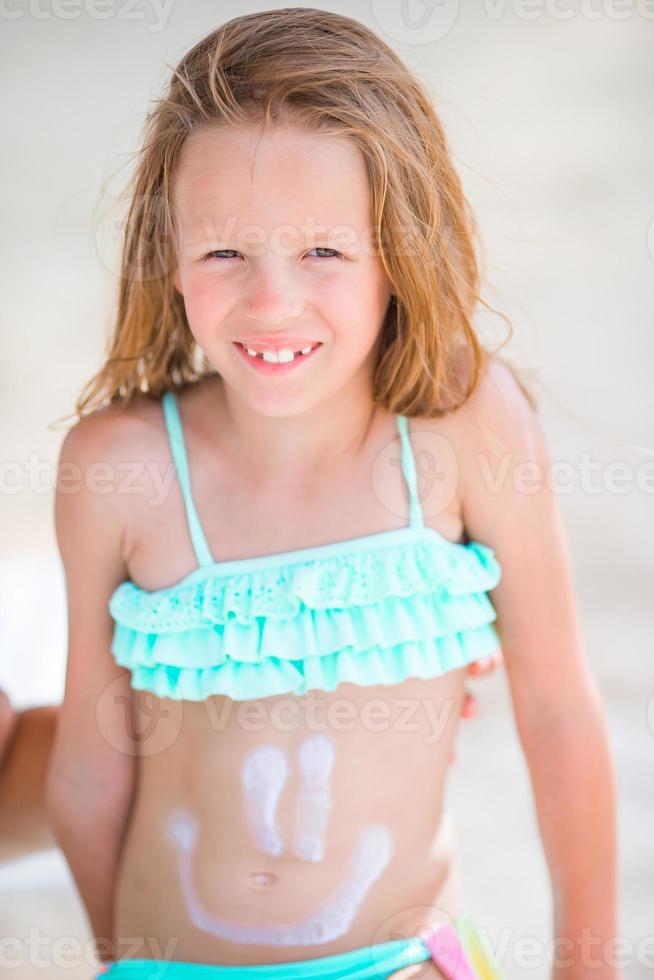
{"x":276,"y":251}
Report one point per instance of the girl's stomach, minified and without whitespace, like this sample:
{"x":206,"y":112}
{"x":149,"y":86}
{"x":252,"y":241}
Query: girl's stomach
{"x":288,"y":827}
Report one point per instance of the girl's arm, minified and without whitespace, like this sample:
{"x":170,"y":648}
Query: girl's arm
{"x":25,"y":745}
{"x":509,"y":503}
{"x":91,"y":774}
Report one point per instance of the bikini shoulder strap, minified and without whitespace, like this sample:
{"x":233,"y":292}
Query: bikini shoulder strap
{"x":410,"y":473}
{"x":180,"y":459}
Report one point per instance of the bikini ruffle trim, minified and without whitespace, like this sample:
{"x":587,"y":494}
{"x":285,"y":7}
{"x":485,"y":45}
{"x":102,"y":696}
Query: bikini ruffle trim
{"x":368,"y":618}
{"x":337,"y":582}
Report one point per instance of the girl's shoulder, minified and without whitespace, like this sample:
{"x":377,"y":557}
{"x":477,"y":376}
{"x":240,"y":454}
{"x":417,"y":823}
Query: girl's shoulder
{"x":484,"y":448}
{"x":118,"y":428}
{"x":114,"y":453}
{"x":500,"y":420}
{"x":499,"y":411}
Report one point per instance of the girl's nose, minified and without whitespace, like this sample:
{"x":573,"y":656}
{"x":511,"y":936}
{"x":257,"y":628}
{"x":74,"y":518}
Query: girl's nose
{"x":273,"y":295}
{"x":273,"y":307}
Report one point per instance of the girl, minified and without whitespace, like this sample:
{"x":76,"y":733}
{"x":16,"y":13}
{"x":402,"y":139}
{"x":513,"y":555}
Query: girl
{"x":317,"y":492}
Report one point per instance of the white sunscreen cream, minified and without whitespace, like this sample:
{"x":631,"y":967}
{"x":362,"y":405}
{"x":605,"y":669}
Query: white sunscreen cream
{"x":263,"y":775}
{"x":330,"y":920}
{"x":316,"y":757}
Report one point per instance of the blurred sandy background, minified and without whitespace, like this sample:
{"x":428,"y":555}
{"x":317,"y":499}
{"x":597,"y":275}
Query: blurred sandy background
{"x":549,"y":111}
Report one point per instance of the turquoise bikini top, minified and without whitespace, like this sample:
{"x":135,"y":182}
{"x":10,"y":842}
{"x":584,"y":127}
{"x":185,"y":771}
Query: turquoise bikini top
{"x":374,"y":609}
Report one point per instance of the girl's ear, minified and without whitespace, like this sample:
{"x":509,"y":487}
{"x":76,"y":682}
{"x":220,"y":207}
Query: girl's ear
{"x":176,"y":280}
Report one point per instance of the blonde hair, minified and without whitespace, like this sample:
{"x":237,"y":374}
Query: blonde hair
{"x":330,"y":74}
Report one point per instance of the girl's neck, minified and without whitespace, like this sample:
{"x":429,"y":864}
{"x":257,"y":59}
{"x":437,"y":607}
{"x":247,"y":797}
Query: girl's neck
{"x":276,"y":449}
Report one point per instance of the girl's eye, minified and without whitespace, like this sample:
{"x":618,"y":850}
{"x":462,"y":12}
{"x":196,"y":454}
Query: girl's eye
{"x":230,"y":252}
{"x":223,"y":251}
{"x":320,"y":248}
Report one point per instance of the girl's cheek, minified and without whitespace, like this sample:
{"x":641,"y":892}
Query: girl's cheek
{"x":204,"y":302}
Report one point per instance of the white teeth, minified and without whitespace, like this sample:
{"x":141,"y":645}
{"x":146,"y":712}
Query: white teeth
{"x":282,"y":356}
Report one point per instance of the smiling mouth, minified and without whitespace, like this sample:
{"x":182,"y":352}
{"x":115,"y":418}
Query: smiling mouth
{"x":282,"y":356}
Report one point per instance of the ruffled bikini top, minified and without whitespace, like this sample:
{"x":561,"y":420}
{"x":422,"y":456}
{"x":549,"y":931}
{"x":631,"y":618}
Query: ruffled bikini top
{"x":374,"y":609}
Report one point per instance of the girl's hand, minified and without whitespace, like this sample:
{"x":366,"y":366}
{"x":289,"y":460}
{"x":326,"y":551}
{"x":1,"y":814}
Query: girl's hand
{"x":470,"y":705}
{"x":475,"y":669}
{"x":8,"y":720}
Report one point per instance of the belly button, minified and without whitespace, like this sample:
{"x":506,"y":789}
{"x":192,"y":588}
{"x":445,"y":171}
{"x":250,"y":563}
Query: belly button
{"x":263,"y":879}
